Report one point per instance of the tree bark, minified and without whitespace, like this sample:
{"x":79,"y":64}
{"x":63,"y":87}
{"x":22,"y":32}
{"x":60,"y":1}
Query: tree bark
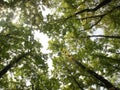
{"x":12,"y":63}
{"x":107,"y":84}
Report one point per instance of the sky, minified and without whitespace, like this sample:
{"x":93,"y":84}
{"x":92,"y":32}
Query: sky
{"x":99,"y":31}
{"x":43,"y":38}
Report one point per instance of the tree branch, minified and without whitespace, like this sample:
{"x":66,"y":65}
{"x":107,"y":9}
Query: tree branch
{"x":94,"y":23}
{"x":103,"y":3}
{"x":101,"y":36}
{"x":98,"y":16}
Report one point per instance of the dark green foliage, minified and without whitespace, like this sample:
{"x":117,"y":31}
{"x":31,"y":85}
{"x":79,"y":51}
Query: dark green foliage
{"x":82,"y":59}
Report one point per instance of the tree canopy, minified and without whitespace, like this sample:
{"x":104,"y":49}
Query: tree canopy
{"x":84,"y":45}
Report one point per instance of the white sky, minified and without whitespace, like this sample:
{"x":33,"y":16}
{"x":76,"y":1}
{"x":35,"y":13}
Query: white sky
{"x":43,"y":38}
{"x":98,"y":31}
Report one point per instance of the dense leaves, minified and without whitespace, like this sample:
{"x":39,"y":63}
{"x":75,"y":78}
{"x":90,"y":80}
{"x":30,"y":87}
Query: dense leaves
{"x":90,"y":58}
{"x":22,"y":64}
{"x":84,"y":45}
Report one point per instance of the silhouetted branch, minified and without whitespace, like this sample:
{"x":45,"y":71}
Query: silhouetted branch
{"x":101,"y":36}
{"x":94,"y":23}
{"x":99,"y":16}
{"x":103,"y":3}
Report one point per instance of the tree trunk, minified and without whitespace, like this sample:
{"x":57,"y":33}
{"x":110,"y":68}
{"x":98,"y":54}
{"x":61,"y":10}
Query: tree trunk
{"x":12,"y":63}
{"x":107,"y":84}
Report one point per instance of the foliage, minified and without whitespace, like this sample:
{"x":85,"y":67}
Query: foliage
{"x":81,"y":59}
{"x":79,"y":53}
{"x":22,"y":64}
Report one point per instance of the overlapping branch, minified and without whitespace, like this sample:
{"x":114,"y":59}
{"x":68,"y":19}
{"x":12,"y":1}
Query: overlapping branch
{"x":103,"y":3}
{"x":97,"y":17}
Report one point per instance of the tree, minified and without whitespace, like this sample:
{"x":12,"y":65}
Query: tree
{"x":81,"y":59}
{"x":22,"y":64}
{"x":92,"y":61}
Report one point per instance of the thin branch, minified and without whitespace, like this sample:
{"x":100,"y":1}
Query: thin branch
{"x":98,"y":16}
{"x":103,"y":36}
{"x":94,"y":23}
{"x":89,"y":17}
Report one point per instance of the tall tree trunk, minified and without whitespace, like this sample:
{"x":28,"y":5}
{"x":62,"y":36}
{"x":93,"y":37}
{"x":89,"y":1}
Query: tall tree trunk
{"x":12,"y":63}
{"x":107,"y":84}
